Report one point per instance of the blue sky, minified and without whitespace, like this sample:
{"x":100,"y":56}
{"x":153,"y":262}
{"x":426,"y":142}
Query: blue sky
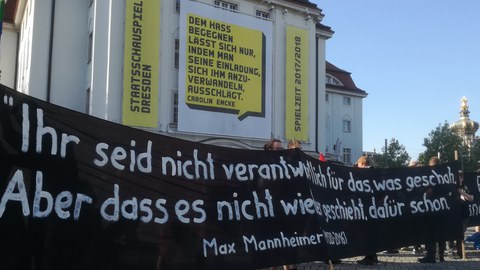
{"x":416,"y":60}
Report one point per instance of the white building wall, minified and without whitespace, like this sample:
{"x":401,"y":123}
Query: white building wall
{"x":98,"y":98}
{"x":328,"y":127}
{"x":115,"y":60}
{"x":357,"y":128}
{"x":34,"y":48}
{"x":313,"y":91}
{"x":336,"y":112}
{"x":55,"y":75}
{"x":346,"y":113}
{"x":8,"y":55}
{"x":322,"y":107}
{"x":278,"y":86}
{"x":105,"y":71}
{"x":69,"y":54}
{"x":168,"y":80}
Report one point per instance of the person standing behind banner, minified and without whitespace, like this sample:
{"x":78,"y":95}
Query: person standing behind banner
{"x":293,"y":143}
{"x":369,"y":259}
{"x":273,"y":144}
{"x":431,"y":245}
{"x":464,"y":198}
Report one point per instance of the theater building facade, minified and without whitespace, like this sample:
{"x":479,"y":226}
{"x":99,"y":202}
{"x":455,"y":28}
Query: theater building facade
{"x":229,"y":73}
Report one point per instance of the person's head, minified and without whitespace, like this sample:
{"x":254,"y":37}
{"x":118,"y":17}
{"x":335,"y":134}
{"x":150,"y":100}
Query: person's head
{"x":413,"y":163}
{"x":273,"y":144}
{"x":362,"y":162}
{"x":433,"y":161}
{"x":294,"y":144}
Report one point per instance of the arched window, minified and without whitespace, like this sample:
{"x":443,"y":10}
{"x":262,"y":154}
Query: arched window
{"x":329,"y":79}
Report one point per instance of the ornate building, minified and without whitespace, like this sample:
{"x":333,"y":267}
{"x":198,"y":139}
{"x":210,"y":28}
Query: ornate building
{"x":465,"y":127}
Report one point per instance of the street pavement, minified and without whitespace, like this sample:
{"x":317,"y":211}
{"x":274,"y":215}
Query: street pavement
{"x":407,"y":260}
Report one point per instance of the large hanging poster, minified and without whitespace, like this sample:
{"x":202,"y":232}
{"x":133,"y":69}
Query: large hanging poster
{"x":140,"y":68}
{"x":296,"y":83}
{"x":225,"y":72}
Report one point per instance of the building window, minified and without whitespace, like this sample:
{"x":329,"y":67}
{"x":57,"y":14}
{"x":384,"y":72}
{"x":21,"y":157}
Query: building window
{"x":87,"y":100}
{"x":226,"y":5}
{"x":347,"y":126}
{"x":347,"y":101}
{"x":177,"y":6}
{"x":90,"y":47}
{"x":90,"y":32}
{"x":177,"y":53}
{"x":262,"y":14}
{"x":331,"y":80}
{"x":327,"y":96}
{"x":175,"y":107}
{"x":347,"y":155}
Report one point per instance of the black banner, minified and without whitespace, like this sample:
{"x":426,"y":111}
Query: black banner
{"x":77,"y":192}
{"x":363,"y":211}
{"x":472,"y":181}
{"x":80,"y":192}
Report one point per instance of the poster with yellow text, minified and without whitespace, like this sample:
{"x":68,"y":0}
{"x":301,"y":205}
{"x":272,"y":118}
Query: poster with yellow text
{"x":296,"y":84}
{"x":224,"y":82}
{"x":140,"y":68}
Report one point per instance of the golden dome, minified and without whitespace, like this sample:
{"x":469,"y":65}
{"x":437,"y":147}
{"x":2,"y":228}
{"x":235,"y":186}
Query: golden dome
{"x":465,"y":125}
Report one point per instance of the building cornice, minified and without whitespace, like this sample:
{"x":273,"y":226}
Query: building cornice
{"x":345,"y":91}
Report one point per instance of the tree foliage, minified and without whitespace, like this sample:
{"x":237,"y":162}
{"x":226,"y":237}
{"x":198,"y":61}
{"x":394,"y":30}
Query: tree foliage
{"x":441,"y":141}
{"x":396,"y":156}
{"x":470,"y":158}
